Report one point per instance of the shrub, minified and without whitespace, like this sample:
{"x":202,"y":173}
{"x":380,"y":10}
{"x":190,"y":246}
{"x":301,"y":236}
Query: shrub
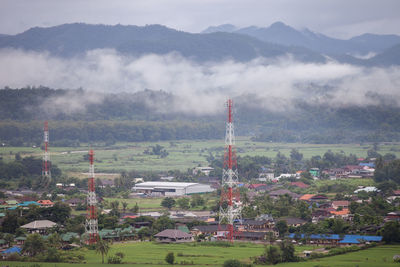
{"x":120,"y":254}
{"x":170,"y":258}
{"x":396,"y":258}
{"x":232,"y":263}
{"x":53,"y":255}
{"x":114,"y":260}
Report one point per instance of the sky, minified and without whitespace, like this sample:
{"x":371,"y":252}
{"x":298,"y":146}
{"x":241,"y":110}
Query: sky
{"x":336,"y":18}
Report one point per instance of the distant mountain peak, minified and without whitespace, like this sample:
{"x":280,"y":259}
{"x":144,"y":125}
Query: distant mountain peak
{"x":220,"y":28}
{"x":279,"y":24}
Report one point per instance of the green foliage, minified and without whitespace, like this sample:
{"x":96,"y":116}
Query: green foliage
{"x":10,"y":223}
{"x":232,"y":263}
{"x":162,"y":223}
{"x":295,"y":155}
{"x":169,"y":258}
{"x":114,"y":260}
{"x":287,"y":251}
{"x":102,"y":247}
{"x":183,"y":203}
{"x":34,"y":244}
{"x":144,"y":233}
{"x":197,"y":200}
{"x":54,"y":240}
{"x":387,"y":171}
{"x":391,"y":232}
{"x":282,"y":227}
{"x":53,"y":255}
{"x":168,"y":202}
{"x":272,"y":254}
{"x":27,"y":171}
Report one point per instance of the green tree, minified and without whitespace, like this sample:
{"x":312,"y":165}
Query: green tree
{"x":272,"y":254}
{"x":162,"y":223}
{"x":197,"y":200}
{"x":168,"y":202}
{"x":34,"y":244}
{"x":10,"y":223}
{"x":295,"y":155}
{"x":9,"y":238}
{"x":391,"y":232}
{"x":135,"y":208}
{"x":169,"y":258}
{"x":54,"y":240}
{"x":102,"y":247}
{"x":183,"y":203}
{"x":143,"y":233}
{"x":114,"y":205}
{"x":287,"y":251}
{"x":282,"y":227}
{"x":124,"y":205}
{"x":53,"y":255}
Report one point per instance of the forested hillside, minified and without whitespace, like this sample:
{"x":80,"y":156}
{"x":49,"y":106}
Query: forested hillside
{"x":151,"y":116}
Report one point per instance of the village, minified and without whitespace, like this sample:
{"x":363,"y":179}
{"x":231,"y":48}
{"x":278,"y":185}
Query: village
{"x":179,"y":222}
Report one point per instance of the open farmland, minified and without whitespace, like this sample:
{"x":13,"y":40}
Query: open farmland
{"x":181,"y":154}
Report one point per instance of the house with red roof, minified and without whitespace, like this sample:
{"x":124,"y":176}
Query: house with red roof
{"x":306,"y":197}
{"x":45,"y":203}
{"x":344,"y":213}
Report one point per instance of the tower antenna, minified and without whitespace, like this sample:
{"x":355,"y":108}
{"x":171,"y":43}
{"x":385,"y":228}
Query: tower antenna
{"x":230,"y":205}
{"x":46,"y":157}
{"x":92,"y":229}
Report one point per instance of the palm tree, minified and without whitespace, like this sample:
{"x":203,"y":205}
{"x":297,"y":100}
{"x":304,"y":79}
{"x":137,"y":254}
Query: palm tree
{"x":115,"y":205}
{"x":102,"y":247}
{"x":124,"y":205}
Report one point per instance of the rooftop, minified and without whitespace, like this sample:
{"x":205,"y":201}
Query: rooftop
{"x":39,"y":224}
{"x":173,"y":233}
{"x":165,"y":184}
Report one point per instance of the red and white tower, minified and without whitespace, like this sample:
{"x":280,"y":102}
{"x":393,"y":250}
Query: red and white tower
{"x":46,"y":157}
{"x":230,"y":205}
{"x":92,"y":229}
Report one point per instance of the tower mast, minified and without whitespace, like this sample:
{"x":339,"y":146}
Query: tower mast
{"x":91,"y":218}
{"x":230,"y":205}
{"x":46,"y":157}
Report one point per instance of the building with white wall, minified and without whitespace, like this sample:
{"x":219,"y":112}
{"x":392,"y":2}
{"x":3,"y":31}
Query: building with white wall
{"x":171,"y":188}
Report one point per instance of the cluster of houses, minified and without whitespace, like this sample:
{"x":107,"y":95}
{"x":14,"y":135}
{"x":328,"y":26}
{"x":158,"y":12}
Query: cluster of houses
{"x":362,"y":170}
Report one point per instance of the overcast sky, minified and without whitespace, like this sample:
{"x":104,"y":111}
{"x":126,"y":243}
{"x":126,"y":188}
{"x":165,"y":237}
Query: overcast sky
{"x":338,"y":18}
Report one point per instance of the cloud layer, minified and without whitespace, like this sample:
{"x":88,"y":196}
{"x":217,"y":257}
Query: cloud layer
{"x":202,"y":87}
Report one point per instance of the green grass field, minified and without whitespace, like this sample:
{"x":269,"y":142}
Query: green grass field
{"x":182,"y":154}
{"x":152,"y":254}
{"x":373,"y":257}
{"x":143,"y":203}
{"x":154,"y":204}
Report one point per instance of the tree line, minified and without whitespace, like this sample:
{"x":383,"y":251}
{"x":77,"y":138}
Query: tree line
{"x":151,"y":115}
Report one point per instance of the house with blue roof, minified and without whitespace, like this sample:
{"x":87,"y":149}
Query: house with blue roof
{"x":12,"y":250}
{"x":334,"y":239}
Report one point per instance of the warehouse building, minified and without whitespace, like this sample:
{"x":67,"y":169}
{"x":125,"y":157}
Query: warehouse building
{"x":171,"y":188}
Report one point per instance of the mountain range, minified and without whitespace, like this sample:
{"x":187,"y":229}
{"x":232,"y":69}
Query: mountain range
{"x":213,"y":44}
{"x":280,"y":33}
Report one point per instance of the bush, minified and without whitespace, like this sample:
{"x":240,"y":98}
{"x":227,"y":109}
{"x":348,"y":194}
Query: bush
{"x":120,"y":254}
{"x":232,"y":263}
{"x":396,"y":258}
{"x":114,"y":260}
{"x":170,"y":258}
{"x":53,"y":255}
